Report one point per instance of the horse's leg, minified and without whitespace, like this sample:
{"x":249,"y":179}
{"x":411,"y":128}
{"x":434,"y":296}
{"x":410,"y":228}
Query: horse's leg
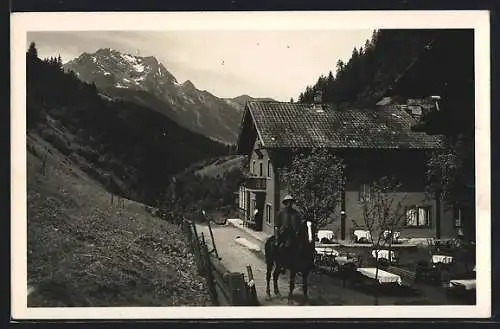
{"x":305,"y":274}
{"x":276,"y":274}
{"x":292,"y":285}
{"x":268,"y":278}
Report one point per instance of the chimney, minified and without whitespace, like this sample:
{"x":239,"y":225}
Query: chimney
{"x":435,"y":100}
{"x":418,"y":107}
{"x":318,"y":101}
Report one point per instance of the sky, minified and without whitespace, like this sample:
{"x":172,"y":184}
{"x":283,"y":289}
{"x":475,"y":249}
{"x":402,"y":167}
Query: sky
{"x":277,"y":64}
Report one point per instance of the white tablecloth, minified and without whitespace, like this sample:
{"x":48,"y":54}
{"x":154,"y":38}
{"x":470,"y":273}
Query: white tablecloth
{"x":362,"y":234}
{"x":395,"y":235}
{"x":325,"y":234}
{"x":382,"y":277}
{"x":384,"y":254}
{"x":468,"y":284}
{"x":327,"y":251}
{"x":442,"y":259}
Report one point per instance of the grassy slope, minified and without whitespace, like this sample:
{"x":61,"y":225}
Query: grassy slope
{"x":220,"y":166}
{"x":82,"y":251}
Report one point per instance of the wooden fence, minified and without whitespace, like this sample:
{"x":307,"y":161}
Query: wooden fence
{"x":226,"y":288}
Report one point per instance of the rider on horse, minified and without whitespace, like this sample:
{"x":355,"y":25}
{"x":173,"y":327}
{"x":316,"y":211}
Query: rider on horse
{"x":287,"y":225}
{"x":291,"y":247}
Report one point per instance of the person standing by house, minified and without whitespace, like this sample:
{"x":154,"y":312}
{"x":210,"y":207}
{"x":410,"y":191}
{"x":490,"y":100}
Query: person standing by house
{"x":256,"y":215}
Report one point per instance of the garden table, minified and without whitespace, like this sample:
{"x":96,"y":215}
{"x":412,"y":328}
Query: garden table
{"x":360,"y":234}
{"x":326,"y":251}
{"x":382,"y":277}
{"x":442,"y":259}
{"x":384,"y":254}
{"x":467,"y":284}
{"x":395,"y":235}
{"x":325,"y":234}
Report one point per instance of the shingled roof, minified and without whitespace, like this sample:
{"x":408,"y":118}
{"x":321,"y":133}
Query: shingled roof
{"x":297,"y":125}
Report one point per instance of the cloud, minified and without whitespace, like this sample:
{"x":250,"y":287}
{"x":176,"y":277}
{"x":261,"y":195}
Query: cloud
{"x":278,"y":64}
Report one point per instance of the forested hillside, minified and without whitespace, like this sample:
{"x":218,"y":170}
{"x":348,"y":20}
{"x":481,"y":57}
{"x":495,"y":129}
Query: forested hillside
{"x":372,"y":68}
{"x":131,"y":149}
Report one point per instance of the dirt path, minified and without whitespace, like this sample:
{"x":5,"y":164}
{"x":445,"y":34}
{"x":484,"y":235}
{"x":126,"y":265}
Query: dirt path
{"x":236,"y":257}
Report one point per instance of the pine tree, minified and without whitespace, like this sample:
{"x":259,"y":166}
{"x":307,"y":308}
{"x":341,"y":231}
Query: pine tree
{"x":32,"y":51}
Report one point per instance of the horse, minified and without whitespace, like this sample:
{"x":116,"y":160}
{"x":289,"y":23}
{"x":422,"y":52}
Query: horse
{"x":298,"y":258}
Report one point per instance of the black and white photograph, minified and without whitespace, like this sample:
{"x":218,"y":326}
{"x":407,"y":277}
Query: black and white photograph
{"x":176,"y":165}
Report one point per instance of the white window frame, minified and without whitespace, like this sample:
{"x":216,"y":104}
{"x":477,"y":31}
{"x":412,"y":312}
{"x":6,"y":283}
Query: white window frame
{"x":269,"y":209}
{"x":269,"y":169}
{"x":364,"y":193}
{"x":417,"y":212}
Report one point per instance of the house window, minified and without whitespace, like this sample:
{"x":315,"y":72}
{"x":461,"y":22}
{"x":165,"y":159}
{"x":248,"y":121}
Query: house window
{"x":364,"y":193}
{"x":269,"y":168}
{"x":458,"y":217}
{"x":418,"y":217}
{"x":253,"y":167}
{"x":268,"y":213}
{"x":261,"y":173}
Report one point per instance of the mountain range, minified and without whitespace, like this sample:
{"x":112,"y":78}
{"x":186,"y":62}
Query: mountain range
{"x":146,"y":81}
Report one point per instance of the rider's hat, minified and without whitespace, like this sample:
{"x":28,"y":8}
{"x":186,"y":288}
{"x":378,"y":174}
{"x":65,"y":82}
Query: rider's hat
{"x":288,"y":198}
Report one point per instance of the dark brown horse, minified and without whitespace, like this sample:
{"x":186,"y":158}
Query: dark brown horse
{"x":298,"y":257}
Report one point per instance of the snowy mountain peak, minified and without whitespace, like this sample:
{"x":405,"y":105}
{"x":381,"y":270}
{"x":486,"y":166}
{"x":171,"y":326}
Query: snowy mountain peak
{"x":111,"y":68}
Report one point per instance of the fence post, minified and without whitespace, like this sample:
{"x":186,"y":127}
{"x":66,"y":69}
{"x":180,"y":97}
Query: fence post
{"x":189,"y":232}
{"x":238,"y":289}
{"x":208,"y":273}
{"x":204,"y":260}
{"x":213,"y":240}
{"x":194,"y":229}
{"x":252,"y":298}
{"x":196,"y":244}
